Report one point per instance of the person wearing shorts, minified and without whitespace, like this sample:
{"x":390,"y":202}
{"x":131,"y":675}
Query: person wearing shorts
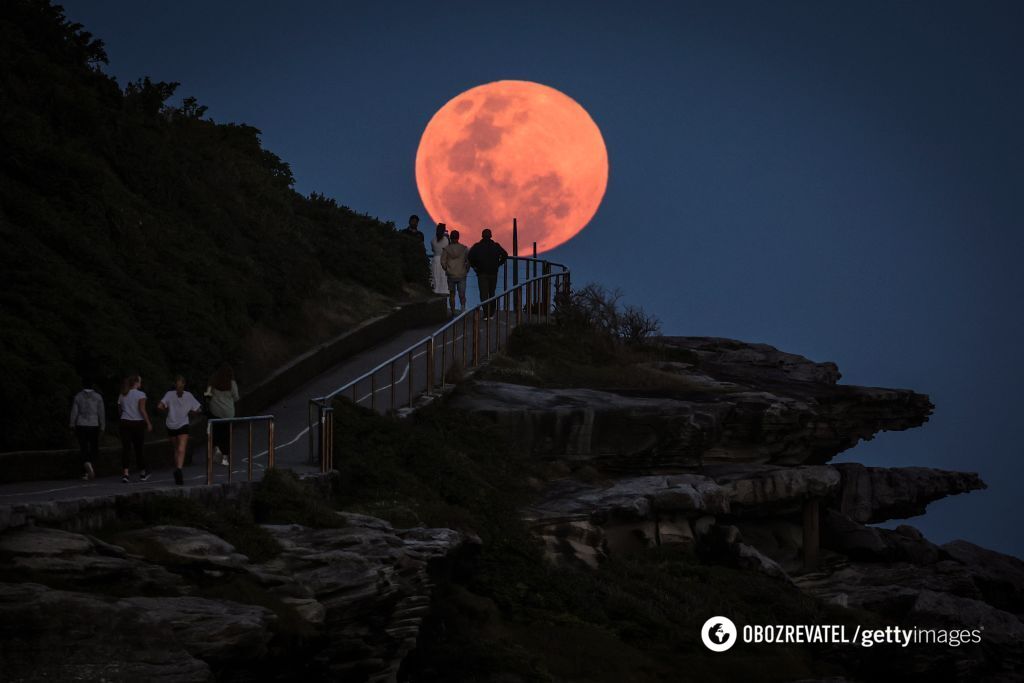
{"x":455,"y":262}
{"x":180,"y":406}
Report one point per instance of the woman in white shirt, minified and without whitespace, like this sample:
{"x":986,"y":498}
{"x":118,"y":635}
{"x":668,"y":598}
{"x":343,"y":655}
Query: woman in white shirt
{"x":131,"y":406}
{"x":437,"y":273}
{"x":180,"y":406}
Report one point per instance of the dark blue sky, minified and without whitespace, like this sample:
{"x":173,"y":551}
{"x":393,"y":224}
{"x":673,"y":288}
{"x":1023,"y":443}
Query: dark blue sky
{"x":839,"y":180}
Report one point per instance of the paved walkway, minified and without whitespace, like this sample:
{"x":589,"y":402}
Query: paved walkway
{"x":291,"y":422}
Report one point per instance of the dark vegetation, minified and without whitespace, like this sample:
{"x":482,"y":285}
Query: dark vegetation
{"x":139,"y":236}
{"x":593,"y":342}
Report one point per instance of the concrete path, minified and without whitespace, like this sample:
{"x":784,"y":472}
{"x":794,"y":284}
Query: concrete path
{"x":292,"y":447}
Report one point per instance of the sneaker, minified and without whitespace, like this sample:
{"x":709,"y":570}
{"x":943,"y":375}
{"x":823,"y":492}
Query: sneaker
{"x":144,"y":476}
{"x":178,"y":479}
{"x":125,"y":479}
{"x":224,"y":461}
{"x":90,"y":473}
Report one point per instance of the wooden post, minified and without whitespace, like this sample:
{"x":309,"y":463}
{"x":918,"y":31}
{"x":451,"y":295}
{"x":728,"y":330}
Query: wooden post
{"x":515,"y":251}
{"x":270,"y":446}
{"x":209,"y":453}
{"x":812,"y":532}
{"x":476,"y":337}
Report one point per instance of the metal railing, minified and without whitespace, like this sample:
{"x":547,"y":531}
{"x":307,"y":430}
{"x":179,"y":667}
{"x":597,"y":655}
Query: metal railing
{"x":459,"y":342}
{"x":231,"y":421}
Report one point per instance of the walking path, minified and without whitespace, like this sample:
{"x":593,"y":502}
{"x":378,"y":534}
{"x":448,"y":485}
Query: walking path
{"x":290,"y":416}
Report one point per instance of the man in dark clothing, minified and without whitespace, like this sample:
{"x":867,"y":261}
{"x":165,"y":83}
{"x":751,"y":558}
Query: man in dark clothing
{"x":486,"y":256}
{"x":412,"y":230}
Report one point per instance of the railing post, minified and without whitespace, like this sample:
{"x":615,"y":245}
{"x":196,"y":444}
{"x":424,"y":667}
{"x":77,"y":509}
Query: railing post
{"x":231,"y":447}
{"x":329,"y":427}
{"x":250,"y":451}
{"x":444,"y":357}
{"x":410,"y":379}
{"x":430,"y":366}
{"x":465,"y":341}
{"x":547,"y":289}
{"x":476,"y":337}
{"x":392,"y":386}
{"x":209,"y":452}
{"x":270,"y":444}
{"x":323,"y":437}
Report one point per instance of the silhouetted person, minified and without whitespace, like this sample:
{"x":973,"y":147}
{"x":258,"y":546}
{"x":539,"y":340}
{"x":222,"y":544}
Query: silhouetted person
{"x":222,"y":392}
{"x":455,"y":262}
{"x":88,"y":420}
{"x":486,"y":256}
{"x":131,"y":406}
{"x":413,"y":230}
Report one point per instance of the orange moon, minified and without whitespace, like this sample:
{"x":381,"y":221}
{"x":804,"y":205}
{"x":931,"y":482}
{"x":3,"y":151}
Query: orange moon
{"x":512,"y":149}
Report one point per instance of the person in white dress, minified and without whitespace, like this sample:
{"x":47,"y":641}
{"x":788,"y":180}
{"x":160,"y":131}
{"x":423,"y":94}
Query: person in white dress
{"x":180,"y":406}
{"x":437,"y":274}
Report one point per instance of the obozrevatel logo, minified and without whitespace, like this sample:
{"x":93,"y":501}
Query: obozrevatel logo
{"x":718,"y":634}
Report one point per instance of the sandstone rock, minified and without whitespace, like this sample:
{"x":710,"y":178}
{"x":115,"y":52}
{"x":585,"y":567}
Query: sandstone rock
{"x":765,"y":489}
{"x":999,"y":577}
{"x":216,"y":631}
{"x":368,"y":585}
{"x":61,"y":635}
{"x":876,"y":494}
{"x":63,"y":559}
{"x":777,"y":411}
{"x":177,"y":545}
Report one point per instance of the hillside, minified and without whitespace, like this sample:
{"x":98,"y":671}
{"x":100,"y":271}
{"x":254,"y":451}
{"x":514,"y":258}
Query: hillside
{"x":143,"y":237}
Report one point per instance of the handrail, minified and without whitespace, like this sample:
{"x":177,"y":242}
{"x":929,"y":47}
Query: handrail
{"x":534,"y":294}
{"x":251,"y":420}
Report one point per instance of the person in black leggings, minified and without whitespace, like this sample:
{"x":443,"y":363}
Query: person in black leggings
{"x":131,"y":405}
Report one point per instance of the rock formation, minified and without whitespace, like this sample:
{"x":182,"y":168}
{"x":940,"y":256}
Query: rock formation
{"x":729,"y":457}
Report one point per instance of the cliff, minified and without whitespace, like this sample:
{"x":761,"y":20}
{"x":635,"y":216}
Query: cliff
{"x":531,"y":531}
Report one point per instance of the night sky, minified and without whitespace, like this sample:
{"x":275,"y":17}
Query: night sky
{"x":842,"y":181}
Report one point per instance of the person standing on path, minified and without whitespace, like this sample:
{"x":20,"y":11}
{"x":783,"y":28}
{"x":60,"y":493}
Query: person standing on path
{"x":131,"y":406}
{"x":413,"y":230}
{"x":222,"y":393}
{"x":486,"y":256}
{"x":180,"y":406}
{"x":88,"y":420}
{"x":456,"y":266}
{"x":437,"y":274}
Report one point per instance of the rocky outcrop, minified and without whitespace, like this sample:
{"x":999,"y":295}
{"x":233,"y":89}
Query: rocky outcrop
{"x":344,"y":603}
{"x":876,"y":494}
{"x":736,"y":403}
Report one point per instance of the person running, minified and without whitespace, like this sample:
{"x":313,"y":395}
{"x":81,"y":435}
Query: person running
{"x":486,"y":256}
{"x":456,"y":266}
{"x":222,"y":393}
{"x":131,"y":406}
{"x":437,"y":274}
{"x":180,"y":406}
{"x":88,"y":420}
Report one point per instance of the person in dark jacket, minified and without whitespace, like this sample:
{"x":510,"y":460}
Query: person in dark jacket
{"x":486,"y":256}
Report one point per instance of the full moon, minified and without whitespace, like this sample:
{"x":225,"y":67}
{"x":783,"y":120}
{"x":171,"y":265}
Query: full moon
{"x":512,"y":149}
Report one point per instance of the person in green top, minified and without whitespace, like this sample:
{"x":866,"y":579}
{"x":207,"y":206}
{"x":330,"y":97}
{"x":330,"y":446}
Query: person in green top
{"x":222,"y":393}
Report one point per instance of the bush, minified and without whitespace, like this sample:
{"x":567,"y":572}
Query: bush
{"x":598,"y":310}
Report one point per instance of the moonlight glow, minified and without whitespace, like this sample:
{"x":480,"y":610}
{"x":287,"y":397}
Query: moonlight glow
{"x":513,"y":149}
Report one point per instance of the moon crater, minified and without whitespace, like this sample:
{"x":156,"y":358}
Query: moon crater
{"x":513,"y":149}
